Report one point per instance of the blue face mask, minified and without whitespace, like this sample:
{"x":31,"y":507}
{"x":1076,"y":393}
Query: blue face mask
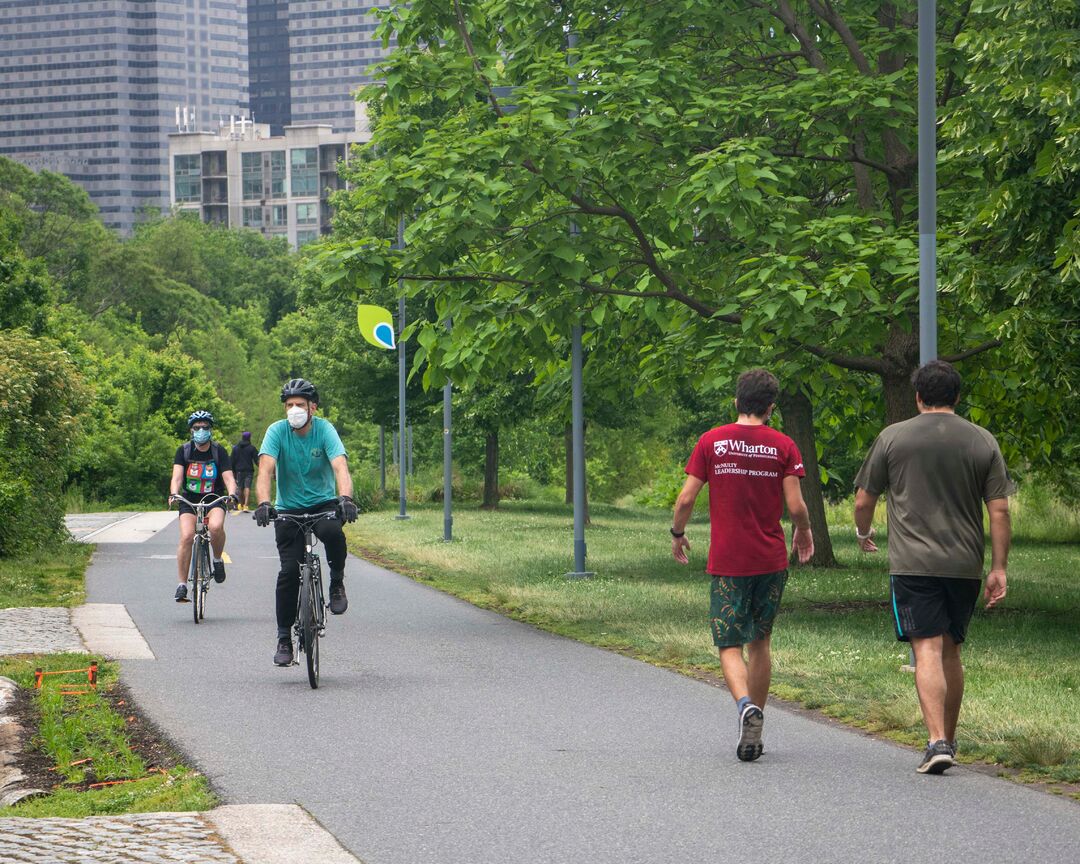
{"x":200,"y":436}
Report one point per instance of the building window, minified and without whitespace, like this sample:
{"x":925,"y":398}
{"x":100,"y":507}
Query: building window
{"x":307,"y":214}
{"x":277,"y":174}
{"x":305,"y":171}
{"x":253,"y":217}
{"x":279,"y":215}
{"x":251,"y":176}
{"x":188,"y":177}
{"x":304,"y":237}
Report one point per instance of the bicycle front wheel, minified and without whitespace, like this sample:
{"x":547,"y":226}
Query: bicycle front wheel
{"x":308,"y":632}
{"x":204,"y":579}
{"x":195,"y":576}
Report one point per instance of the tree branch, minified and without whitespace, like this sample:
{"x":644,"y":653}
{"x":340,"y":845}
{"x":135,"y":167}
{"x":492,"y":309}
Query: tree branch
{"x":829,"y":15}
{"x":950,"y":78}
{"x":463,"y":31}
{"x":971,"y":352}
{"x":475,"y":277}
{"x":854,"y":156}
{"x":857,"y":364}
{"x":786,"y":14}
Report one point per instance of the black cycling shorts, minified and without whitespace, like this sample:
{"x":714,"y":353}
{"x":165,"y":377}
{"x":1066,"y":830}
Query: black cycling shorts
{"x":926,"y":606}
{"x":184,"y":507}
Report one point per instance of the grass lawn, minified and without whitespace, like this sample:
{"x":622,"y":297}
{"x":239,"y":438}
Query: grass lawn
{"x":834,"y":649}
{"x":47,"y":577}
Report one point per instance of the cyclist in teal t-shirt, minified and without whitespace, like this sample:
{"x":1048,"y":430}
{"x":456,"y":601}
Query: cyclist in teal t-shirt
{"x":309,"y":460}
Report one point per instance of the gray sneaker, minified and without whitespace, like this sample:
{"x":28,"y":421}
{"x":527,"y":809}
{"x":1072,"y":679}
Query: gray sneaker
{"x":181,"y":593}
{"x":937,"y":759}
{"x":751,"y":723}
{"x":284,"y":654}
{"x":339,"y":602}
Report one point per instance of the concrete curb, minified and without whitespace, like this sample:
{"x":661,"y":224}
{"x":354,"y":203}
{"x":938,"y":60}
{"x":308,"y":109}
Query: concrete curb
{"x":276,"y":834}
{"x":107,"y":629}
{"x":12,"y":780}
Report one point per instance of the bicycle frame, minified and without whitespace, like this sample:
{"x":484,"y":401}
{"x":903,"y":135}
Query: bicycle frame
{"x":310,"y":623}
{"x":201,"y":561}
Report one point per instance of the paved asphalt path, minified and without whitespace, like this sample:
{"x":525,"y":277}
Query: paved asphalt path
{"x":444,"y":733}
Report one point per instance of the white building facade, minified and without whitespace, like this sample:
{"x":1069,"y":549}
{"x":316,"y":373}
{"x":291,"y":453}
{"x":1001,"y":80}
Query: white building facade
{"x":244,"y":178}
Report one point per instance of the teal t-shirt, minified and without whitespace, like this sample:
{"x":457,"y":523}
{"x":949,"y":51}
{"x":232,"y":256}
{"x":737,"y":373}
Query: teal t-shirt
{"x":305,"y":477}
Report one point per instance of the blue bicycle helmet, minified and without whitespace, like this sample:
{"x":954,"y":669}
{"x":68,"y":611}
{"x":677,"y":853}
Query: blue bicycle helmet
{"x":197,"y":416}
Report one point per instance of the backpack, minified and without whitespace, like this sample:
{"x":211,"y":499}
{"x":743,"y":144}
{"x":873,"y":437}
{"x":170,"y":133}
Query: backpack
{"x":216,"y":450}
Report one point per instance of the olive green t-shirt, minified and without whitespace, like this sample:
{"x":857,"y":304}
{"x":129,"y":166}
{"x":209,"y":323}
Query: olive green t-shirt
{"x":938,"y":469}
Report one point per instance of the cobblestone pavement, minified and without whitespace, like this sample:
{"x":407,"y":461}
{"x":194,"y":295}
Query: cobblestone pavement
{"x":38,"y":630}
{"x":146,"y":838}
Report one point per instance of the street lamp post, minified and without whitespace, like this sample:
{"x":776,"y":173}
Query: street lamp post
{"x":927,"y":182}
{"x":401,"y":380}
{"x":577,"y":401}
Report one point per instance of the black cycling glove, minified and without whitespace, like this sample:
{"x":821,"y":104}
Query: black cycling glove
{"x":263,"y":514}
{"x":347,"y":509}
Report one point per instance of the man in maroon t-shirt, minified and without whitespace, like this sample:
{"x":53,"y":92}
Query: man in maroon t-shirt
{"x":752,"y":471}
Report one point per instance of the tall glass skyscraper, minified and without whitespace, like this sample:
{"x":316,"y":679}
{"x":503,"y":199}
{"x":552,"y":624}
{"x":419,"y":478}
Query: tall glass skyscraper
{"x":307,"y":57}
{"x":91,"y":89}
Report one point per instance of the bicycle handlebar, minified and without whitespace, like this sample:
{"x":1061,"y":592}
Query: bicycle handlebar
{"x":302,"y":519}
{"x":203,"y":504}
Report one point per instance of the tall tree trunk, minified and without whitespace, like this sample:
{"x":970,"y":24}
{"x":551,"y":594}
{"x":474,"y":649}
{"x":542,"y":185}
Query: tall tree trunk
{"x":899,"y":398}
{"x":491,"y":471}
{"x":799,"y":424}
{"x":902,"y":358}
{"x":569,"y":438}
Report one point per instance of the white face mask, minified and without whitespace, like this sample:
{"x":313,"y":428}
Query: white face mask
{"x":297,"y":417}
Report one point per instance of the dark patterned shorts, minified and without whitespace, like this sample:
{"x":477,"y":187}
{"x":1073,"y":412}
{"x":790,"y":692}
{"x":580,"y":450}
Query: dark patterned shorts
{"x":742,"y":608}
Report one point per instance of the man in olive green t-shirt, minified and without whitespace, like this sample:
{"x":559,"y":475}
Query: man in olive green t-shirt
{"x":939,"y":470}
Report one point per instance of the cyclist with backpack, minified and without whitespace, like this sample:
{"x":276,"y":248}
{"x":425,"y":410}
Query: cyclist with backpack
{"x":305,"y":454}
{"x":201,"y":471}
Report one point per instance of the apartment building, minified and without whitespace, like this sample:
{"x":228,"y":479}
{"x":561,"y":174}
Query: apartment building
{"x":241,"y":176}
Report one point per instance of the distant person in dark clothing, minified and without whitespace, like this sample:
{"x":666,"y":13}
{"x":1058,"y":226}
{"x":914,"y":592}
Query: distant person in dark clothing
{"x":939,"y":471}
{"x":244,"y":456}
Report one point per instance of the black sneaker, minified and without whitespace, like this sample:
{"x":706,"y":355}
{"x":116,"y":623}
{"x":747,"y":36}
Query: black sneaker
{"x":284,"y":655}
{"x":952,"y":749}
{"x":338,"y":601}
{"x":181,"y":593}
{"x":937,"y":759}
{"x":219,"y":571}
{"x":751,"y":722}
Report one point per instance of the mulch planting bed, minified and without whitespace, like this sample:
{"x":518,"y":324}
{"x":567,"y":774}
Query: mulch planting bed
{"x":142,"y":737}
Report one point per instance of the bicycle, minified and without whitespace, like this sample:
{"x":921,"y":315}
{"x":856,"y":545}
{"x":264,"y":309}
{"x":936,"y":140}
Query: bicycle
{"x":310,"y":624}
{"x":201,"y":573}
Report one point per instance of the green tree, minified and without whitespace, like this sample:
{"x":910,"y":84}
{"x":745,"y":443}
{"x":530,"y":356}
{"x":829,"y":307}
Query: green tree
{"x":741,"y":174}
{"x":41,"y":396}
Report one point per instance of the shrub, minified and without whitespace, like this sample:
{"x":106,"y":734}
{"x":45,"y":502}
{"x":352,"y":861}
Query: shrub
{"x":41,"y":397}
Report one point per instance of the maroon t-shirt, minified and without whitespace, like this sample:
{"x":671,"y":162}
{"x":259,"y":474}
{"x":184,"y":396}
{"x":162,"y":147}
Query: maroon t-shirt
{"x":745,"y":467}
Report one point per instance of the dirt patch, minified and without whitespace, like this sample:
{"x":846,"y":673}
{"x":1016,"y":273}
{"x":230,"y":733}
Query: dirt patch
{"x":35,"y":765}
{"x":142,"y":735}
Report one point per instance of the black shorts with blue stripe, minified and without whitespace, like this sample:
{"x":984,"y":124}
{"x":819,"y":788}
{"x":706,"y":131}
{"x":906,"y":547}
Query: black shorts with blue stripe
{"x":926,"y":606}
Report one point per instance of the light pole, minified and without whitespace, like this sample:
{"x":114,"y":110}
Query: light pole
{"x":448,"y":518}
{"x":401,"y":379}
{"x":577,"y":401}
{"x":927,"y":182}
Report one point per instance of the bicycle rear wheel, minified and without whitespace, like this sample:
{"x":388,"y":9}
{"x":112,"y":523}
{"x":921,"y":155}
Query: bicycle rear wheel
{"x":308,"y":626}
